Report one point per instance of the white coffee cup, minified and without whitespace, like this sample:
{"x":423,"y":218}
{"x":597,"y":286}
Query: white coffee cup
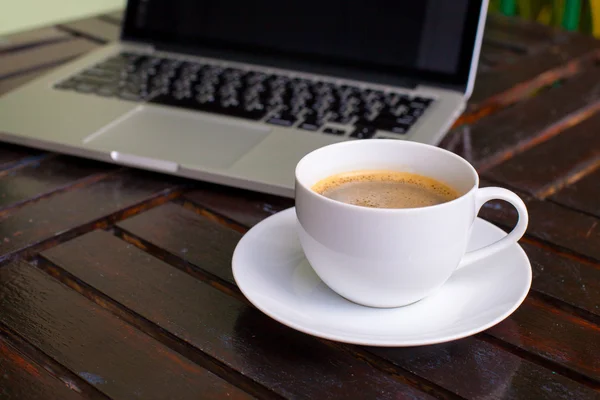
{"x":382,"y":257}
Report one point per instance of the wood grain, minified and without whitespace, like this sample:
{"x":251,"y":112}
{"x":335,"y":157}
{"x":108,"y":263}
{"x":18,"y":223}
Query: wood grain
{"x":493,"y":55}
{"x":291,"y":364}
{"x":21,"y":378}
{"x":515,"y":129}
{"x":535,"y":70}
{"x":184,"y":234}
{"x":551,"y":223}
{"x":94,"y":29}
{"x":118,"y":360}
{"x":582,"y":195}
{"x":37,"y":37}
{"x":569,"y":279}
{"x":544,"y":169}
{"x":521,"y":26}
{"x":243,"y":207}
{"x":26,"y":60}
{"x":519,"y":41}
{"x":475,"y":369}
{"x":555,"y":335}
{"x":70,"y":212}
{"x":47,"y":176}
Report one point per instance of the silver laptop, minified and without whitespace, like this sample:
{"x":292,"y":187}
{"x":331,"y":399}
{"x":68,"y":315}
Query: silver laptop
{"x":236,"y":92}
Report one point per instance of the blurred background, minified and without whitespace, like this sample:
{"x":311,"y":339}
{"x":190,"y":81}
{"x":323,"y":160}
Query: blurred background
{"x":21,"y":15}
{"x":572,"y":15}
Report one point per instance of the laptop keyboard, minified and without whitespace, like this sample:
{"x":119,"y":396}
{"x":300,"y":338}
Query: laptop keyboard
{"x":275,"y":99}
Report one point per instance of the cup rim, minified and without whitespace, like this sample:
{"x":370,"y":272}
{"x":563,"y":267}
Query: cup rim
{"x":394,"y":142}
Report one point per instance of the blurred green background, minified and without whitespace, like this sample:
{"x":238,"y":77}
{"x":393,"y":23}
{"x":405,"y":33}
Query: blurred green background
{"x":574,"y":15}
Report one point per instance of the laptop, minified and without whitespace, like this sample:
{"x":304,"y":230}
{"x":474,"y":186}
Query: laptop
{"x":235,"y":92}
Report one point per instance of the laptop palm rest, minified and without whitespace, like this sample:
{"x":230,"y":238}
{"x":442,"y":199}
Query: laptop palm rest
{"x":160,"y":138}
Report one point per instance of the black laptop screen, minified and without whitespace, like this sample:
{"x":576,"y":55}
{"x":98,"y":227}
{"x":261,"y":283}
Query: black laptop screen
{"x":427,"y":39}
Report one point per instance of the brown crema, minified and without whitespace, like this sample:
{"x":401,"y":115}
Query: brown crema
{"x":385,"y":189}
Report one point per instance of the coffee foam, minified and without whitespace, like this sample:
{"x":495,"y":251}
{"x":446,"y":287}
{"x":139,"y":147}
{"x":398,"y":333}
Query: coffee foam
{"x":385,"y":189}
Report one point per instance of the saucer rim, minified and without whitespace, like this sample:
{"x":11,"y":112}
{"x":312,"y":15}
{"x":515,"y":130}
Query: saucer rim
{"x":379,"y":342}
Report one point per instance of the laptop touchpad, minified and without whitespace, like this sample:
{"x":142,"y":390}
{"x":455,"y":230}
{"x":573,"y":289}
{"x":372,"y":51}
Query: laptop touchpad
{"x":183,"y":137}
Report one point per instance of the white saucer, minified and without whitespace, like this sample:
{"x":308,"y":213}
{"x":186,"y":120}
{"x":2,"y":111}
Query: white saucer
{"x":270,"y":269}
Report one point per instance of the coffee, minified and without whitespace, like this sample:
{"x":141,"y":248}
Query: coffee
{"x":385,"y":189}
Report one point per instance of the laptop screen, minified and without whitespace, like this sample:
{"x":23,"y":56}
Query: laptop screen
{"x":429,"y":40}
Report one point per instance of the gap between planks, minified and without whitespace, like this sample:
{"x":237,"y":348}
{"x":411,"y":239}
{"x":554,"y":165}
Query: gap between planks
{"x":197,"y":355}
{"x":189,"y":350}
{"x":156,"y":332}
{"x":538,"y":360}
{"x":30,"y":252}
{"x":376,"y":361}
{"x":71,"y":380}
{"x":77,"y":184}
{"x":560,"y":250}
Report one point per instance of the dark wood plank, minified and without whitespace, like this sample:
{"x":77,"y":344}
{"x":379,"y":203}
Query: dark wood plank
{"x":47,"y":176}
{"x":43,"y":56}
{"x":77,"y":256}
{"x":69,"y":212}
{"x":582,"y":195}
{"x":93,"y":28}
{"x":522,"y":27}
{"x":290,"y":363}
{"x":513,"y":82}
{"x":494,"y":55}
{"x":499,"y":136}
{"x":21,"y":378}
{"x":12,"y":156}
{"x":544,"y":169}
{"x":31,"y":38}
{"x":521,"y":41}
{"x":8,"y":84}
{"x":555,"y":335}
{"x":199,"y":241}
{"x":566,"y":278}
{"x":552,"y":223}
{"x":243,"y":207}
{"x":118,"y":360}
{"x":475,"y":369}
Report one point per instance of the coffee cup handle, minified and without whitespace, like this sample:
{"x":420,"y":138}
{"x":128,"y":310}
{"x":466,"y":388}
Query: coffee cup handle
{"x":495,"y":193}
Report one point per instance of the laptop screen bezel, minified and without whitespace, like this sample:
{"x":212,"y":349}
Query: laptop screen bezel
{"x":408,"y":77}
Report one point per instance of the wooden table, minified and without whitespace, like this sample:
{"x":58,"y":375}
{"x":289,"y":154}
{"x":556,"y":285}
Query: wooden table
{"x":116,"y":283}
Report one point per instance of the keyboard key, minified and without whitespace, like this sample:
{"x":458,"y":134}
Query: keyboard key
{"x":311,"y":122}
{"x":281,"y":121}
{"x":341,"y":119}
{"x":107,"y":91}
{"x":249,"y":94}
{"x":212,"y":107}
{"x":416,"y":112}
{"x":66,"y":85}
{"x":400,"y":129}
{"x":423,"y":100}
{"x":363,"y":132}
{"x":84,"y":87}
{"x":309,"y":127}
{"x":129,"y":95}
{"x":333,"y":131}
